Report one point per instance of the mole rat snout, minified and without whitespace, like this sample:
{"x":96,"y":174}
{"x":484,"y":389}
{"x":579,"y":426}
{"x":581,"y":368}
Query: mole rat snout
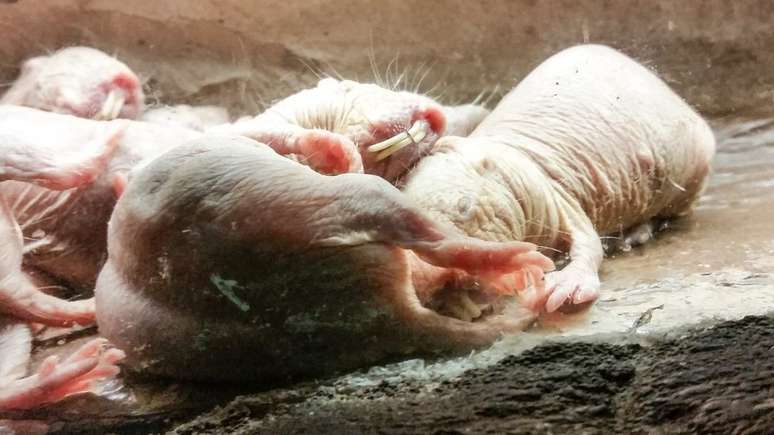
{"x":117,"y":95}
{"x":394,"y":130}
{"x":123,"y":96}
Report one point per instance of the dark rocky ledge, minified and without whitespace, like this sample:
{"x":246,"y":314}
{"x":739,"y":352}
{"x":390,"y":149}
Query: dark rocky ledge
{"x":710,"y":380}
{"x":718,"y":379}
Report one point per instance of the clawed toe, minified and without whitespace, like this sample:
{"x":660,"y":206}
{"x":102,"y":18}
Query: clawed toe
{"x":570,"y":287}
{"x":55,"y":380}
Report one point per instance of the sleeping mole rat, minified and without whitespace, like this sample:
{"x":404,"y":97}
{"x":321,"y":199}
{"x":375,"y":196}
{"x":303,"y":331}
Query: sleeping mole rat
{"x":590,"y":143}
{"x":227,"y":261}
{"x":343,"y":126}
{"x":79,"y":81}
{"x":65,"y":231}
{"x":56,"y":165}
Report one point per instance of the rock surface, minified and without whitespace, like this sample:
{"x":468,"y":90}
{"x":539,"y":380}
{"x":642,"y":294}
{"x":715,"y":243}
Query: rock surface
{"x":244,"y":54}
{"x":714,"y":380}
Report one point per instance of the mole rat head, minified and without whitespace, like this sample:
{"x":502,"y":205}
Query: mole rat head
{"x":462,"y":184}
{"x":81,"y":81}
{"x":392,"y":129}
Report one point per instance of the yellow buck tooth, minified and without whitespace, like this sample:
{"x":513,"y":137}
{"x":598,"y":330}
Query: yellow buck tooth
{"x":399,"y":139}
{"x":118,"y":104}
{"x":416,"y":128}
{"x":419,"y":134}
{"x":107,"y":107}
{"x":112,"y":106}
{"x":388,"y":142}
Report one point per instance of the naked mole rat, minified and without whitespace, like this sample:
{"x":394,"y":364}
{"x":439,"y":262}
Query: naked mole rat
{"x":55,"y":166}
{"x":345,"y":126}
{"x":229,"y":262}
{"x":65,"y":231}
{"x":79,"y":81}
{"x":48,"y":173}
{"x":589,"y":143}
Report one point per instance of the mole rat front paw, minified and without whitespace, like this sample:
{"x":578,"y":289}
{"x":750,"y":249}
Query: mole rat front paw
{"x":328,"y":153}
{"x":568,"y":287}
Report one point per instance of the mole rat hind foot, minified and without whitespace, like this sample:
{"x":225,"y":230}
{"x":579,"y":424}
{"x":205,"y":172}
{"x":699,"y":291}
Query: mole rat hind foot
{"x":80,"y":373}
{"x":241,"y":252}
{"x":79,"y":81}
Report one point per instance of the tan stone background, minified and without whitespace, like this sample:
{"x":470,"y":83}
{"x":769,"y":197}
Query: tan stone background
{"x":718,"y":54}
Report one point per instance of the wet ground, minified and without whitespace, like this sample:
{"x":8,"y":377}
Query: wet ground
{"x":641,"y":359}
{"x":714,"y":265}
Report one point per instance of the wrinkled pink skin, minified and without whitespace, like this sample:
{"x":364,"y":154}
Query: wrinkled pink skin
{"x":588,"y":143}
{"x":79,"y":373}
{"x":76,"y":81}
{"x":274,"y":271}
{"x":65,"y":232}
{"x":55,"y":165}
{"x":330,"y":127}
{"x":58,"y":190}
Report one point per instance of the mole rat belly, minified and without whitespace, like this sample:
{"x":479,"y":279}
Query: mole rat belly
{"x":589,"y":131}
{"x":65,"y":231}
{"x":227,"y":261}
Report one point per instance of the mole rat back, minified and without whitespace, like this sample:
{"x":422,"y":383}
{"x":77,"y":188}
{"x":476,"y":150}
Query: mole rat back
{"x":216,"y":250}
{"x":610,"y":133}
{"x":227,"y":261}
{"x":589,"y":143}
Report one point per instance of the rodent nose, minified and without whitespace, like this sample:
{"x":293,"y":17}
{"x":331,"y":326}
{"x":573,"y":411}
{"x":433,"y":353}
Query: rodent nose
{"x":127,"y":82}
{"x":434,"y":116}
